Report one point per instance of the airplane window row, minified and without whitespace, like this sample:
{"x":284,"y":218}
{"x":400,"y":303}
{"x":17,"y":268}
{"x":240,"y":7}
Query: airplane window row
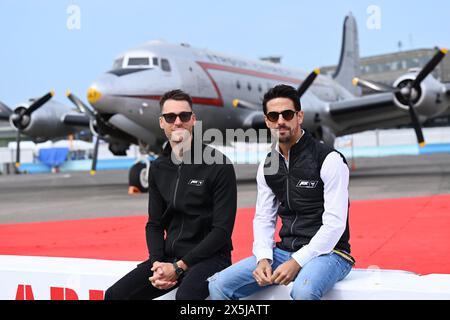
{"x":249,"y":86}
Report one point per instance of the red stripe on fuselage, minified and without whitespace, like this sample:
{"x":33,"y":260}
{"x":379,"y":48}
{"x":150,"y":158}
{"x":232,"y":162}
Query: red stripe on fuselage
{"x":195,"y":100}
{"x":249,"y":72}
{"x":218,"y":102}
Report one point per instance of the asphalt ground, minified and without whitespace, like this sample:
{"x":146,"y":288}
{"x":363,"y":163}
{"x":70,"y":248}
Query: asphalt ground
{"x":77,"y":195}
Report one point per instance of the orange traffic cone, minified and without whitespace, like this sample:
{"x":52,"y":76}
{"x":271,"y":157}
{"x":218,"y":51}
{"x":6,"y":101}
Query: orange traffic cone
{"x":133,"y":190}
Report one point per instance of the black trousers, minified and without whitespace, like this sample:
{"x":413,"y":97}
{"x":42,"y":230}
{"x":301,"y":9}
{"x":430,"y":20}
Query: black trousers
{"x":193,"y":285}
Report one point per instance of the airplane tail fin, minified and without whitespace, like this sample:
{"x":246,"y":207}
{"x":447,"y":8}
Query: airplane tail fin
{"x":349,"y":66}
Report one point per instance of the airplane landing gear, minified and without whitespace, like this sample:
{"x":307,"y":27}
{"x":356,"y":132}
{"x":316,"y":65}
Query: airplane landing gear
{"x":138,"y":177}
{"x":138,"y":174}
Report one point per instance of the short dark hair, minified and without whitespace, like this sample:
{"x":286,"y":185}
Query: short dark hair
{"x":176,"y":94}
{"x":282,"y":91}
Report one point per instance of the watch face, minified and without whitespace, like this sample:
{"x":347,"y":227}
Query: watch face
{"x":179,"y":271}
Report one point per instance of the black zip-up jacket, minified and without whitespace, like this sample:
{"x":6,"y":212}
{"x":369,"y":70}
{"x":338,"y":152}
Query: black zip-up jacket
{"x":195,"y":204}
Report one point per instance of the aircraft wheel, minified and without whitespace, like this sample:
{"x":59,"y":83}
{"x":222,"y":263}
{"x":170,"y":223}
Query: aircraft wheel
{"x":138,"y":177}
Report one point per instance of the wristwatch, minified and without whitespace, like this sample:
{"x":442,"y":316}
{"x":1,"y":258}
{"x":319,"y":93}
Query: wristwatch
{"x":178,"y":270}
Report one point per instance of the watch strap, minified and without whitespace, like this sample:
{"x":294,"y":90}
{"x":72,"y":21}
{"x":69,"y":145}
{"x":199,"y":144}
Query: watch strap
{"x":178,"y":270}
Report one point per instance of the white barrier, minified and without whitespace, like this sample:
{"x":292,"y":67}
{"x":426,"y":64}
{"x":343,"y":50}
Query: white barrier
{"x":377,"y":284}
{"x":45,"y":278}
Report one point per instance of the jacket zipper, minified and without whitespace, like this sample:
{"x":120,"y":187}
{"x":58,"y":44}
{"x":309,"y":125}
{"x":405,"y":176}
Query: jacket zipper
{"x":287,"y":185}
{"x":289,"y":204}
{"x":176,"y":184}
{"x":179,"y":235}
{"x":174,"y":202}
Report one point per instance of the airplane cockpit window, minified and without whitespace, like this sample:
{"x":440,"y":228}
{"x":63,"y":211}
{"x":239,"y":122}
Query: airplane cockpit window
{"x":139,"y":62}
{"x":165,"y":65}
{"x":118,"y":63}
{"x":135,"y":62}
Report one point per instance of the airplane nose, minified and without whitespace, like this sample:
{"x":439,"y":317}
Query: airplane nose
{"x":93,"y":95}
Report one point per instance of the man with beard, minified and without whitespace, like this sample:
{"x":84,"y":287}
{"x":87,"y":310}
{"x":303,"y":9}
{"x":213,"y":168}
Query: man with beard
{"x":305,"y":183}
{"x":192,"y":209}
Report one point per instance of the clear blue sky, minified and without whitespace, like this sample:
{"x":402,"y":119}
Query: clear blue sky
{"x":38,"y":52}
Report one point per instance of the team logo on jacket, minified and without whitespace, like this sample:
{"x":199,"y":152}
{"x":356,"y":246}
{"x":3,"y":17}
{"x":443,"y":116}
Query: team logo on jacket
{"x":196,"y":182}
{"x":307,"y":184}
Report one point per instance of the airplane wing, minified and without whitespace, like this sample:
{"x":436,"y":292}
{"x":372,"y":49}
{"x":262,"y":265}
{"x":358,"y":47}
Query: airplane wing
{"x":355,"y":115}
{"x":367,"y":112}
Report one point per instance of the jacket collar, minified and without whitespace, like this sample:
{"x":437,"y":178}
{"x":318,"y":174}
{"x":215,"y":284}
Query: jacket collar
{"x":301,"y":143}
{"x":167,"y":150}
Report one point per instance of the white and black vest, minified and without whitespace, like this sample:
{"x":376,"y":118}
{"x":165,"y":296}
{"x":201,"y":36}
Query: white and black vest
{"x":299,"y":190}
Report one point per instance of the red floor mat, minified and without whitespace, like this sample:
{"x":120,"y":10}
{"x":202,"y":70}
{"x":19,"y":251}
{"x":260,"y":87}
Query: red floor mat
{"x":409,"y":234}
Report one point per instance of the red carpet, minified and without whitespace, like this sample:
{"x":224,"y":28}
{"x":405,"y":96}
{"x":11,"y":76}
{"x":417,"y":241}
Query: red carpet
{"x":409,"y":234}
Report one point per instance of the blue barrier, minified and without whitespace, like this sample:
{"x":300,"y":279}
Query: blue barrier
{"x":242,"y":157}
{"x":374,"y":152}
{"x":105,"y":164}
{"x":435,"y":148}
{"x":34,"y":168}
{"x":80,"y":165}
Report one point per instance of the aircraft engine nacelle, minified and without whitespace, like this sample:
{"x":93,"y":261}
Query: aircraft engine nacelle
{"x":44,"y":123}
{"x":429,"y":100}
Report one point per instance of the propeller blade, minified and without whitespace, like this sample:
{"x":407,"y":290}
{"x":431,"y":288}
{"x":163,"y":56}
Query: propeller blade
{"x":416,"y":124}
{"x":376,"y":86}
{"x":307,"y":82}
{"x":80,"y":105}
{"x":5,"y":111}
{"x":94,"y":157}
{"x":18,"y":150}
{"x":39,"y":103}
{"x":429,"y":67}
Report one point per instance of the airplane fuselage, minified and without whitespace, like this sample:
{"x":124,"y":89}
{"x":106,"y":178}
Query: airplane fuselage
{"x":213,"y":80}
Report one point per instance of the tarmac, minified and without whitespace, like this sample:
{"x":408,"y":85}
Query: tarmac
{"x":77,"y":195}
{"x":399,"y":204}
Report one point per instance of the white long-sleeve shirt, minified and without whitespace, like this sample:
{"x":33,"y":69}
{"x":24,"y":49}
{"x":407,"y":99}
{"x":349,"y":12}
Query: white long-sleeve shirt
{"x":335,"y":176}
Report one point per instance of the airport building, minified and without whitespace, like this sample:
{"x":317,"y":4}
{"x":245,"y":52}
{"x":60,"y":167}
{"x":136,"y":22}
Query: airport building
{"x":386,"y":68}
{"x":7,"y":133}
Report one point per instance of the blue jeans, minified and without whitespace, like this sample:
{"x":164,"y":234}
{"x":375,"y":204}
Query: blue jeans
{"x":313,"y":281}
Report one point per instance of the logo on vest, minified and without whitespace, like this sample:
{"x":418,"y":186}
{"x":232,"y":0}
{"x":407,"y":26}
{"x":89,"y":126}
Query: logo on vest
{"x":307,"y":184}
{"x":196,"y":182}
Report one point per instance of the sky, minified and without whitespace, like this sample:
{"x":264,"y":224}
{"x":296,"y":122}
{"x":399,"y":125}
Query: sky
{"x":60,"y":44}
